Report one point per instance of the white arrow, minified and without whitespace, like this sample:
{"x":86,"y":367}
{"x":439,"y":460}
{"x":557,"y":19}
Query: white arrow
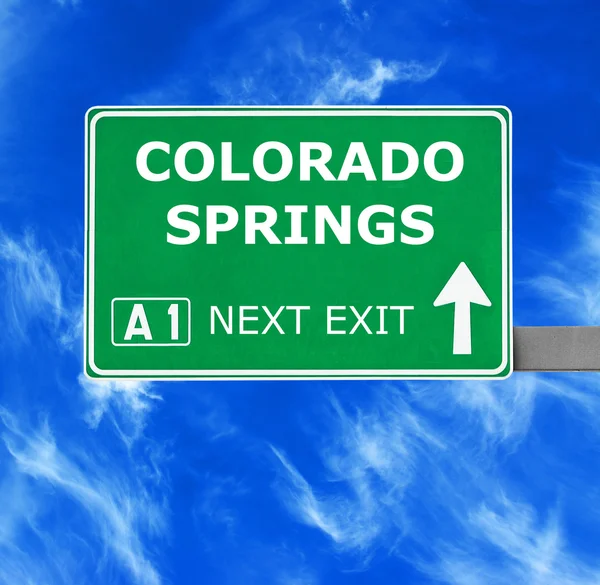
{"x":462,"y":289}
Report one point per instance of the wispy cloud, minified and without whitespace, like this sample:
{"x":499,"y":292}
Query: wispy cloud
{"x":120,"y":496}
{"x":370,"y":461}
{"x":327,"y":79}
{"x":125,"y":402}
{"x":443,"y":444}
{"x":352,"y":16}
{"x":213,"y":418}
{"x":217,"y":503}
{"x":112,"y":491}
{"x":532,"y":549}
{"x":329,"y":68}
{"x":344,"y":86}
{"x":500,"y":412}
{"x":33,"y":293}
{"x":300,"y":499}
{"x":119,"y":508}
{"x":346,"y":5}
{"x":572,"y":284}
{"x":30,"y":284}
{"x":19,"y":523}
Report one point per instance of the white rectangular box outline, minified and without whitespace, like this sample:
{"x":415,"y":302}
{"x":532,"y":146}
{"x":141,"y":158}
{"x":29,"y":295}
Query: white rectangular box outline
{"x":200,"y":111}
{"x":112,"y":321}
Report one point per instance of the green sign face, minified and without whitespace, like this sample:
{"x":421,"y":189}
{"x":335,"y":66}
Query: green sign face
{"x":244,"y":243}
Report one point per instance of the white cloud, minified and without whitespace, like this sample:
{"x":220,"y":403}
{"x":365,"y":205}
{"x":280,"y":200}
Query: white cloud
{"x":532,"y":550}
{"x":22,"y":539}
{"x":572,"y":284}
{"x":298,"y":496}
{"x":120,"y":509}
{"x":344,"y":86}
{"x":346,"y":5}
{"x":500,"y":411}
{"x":119,"y":505}
{"x":420,"y":474}
{"x":371,"y":460}
{"x":33,"y":292}
{"x":213,"y":506}
{"x":326,"y":81}
{"x":126,"y":402}
{"x":353,"y":16}
{"x":293,"y":74}
{"x":30,"y":284}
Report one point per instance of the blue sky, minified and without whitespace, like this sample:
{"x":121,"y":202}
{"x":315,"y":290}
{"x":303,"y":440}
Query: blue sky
{"x":295,"y":483}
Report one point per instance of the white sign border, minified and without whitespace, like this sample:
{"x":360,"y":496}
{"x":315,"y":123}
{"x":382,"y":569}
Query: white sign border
{"x":238,"y":375}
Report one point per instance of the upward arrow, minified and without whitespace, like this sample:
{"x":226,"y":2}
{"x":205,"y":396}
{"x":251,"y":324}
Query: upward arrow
{"x":462,"y":289}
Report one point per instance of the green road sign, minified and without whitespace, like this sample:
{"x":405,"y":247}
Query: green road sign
{"x":304,"y":242}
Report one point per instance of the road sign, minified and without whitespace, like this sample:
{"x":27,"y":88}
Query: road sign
{"x":304,"y":242}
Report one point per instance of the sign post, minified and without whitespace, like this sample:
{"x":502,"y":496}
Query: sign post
{"x":304,"y":242}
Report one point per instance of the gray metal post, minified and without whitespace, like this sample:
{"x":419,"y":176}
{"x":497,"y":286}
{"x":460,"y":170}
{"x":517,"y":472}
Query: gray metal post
{"x":556,"y":349}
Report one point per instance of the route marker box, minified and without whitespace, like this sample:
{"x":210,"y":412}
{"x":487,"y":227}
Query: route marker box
{"x":298,"y":243}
